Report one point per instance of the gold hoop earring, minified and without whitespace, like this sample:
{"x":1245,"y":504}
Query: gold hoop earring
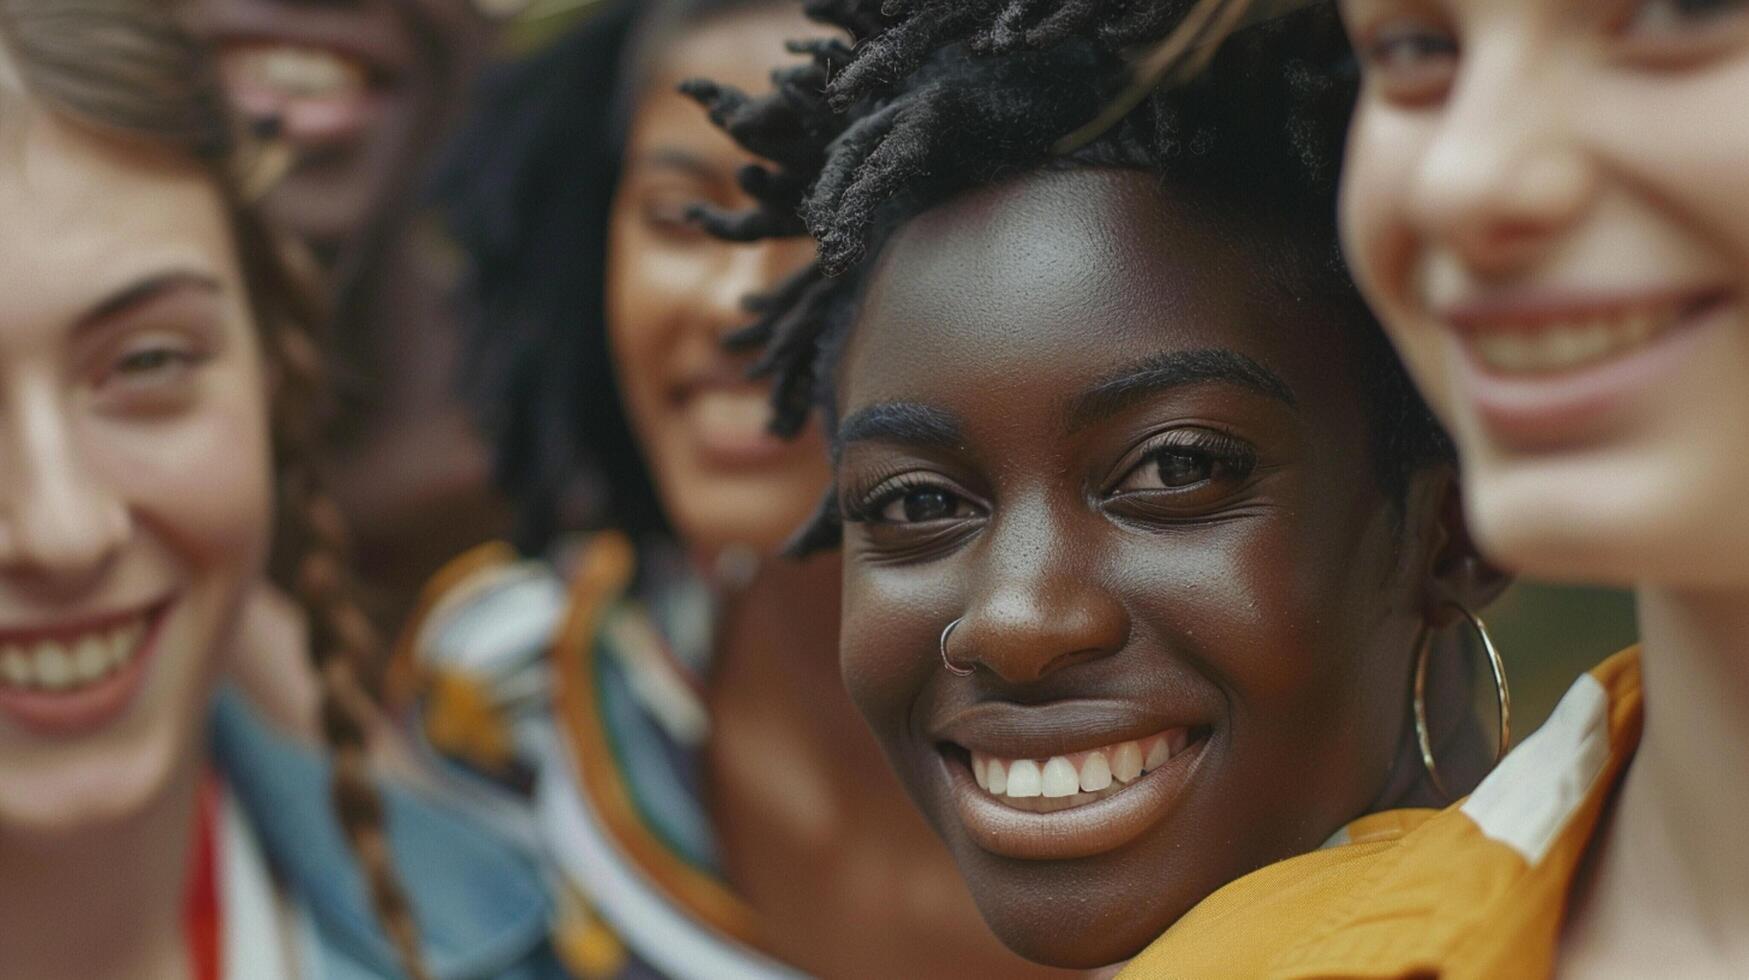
{"x":1503,"y":696}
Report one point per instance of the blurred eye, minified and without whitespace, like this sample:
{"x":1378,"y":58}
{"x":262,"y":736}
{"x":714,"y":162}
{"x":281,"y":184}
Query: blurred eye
{"x":1410,"y":60}
{"x":151,"y":372}
{"x":921,"y":505}
{"x":1678,"y":31}
{"x":667,"y":217}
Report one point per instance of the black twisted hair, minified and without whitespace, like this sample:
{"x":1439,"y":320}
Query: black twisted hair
{"x":938,"y":97}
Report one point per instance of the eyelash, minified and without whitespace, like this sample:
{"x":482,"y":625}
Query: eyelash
{"x":866,"y":508}
{"x":1217,"y":448}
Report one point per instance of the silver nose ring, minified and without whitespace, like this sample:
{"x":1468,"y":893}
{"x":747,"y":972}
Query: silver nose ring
{"x":947,"y":661}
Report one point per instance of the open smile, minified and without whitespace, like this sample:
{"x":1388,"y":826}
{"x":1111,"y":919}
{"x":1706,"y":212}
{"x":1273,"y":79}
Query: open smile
{"x":1070,"y":804}
{"x":71,"y":679}
{"x":1544,"y":372}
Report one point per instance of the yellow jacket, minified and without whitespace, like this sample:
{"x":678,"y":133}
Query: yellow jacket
{"x":1476,"y":891}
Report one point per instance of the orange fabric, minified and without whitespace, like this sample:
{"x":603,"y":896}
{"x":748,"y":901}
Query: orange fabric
{"x":1448,"y":899}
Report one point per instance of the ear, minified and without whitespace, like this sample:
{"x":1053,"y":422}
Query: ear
{"x":1457,"y":573}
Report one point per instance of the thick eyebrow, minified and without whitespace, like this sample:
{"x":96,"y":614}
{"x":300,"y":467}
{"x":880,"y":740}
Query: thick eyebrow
{"x":900,"y":422}
{"x":147,"y":290}
{"x":1175,"y":369}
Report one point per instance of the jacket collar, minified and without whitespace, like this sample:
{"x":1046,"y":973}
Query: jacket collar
{"x":479,"y":904}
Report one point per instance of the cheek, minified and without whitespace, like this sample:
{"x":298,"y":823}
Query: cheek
{"x":1283,"y":614}
{"x":1380,"y":244}
{"x":205,"y":481}
{"x":1681,"y":146}
{"x":888,"y":643}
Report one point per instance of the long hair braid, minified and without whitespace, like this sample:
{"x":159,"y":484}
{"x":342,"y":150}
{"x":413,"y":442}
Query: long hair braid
{"x":129,"y":68}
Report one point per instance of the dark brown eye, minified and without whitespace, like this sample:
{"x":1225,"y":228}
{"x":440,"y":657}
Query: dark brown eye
{"x":919,"y":506}
{"x":1178,"y":469}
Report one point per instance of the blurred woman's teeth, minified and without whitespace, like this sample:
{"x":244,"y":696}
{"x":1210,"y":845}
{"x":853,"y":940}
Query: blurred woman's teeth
{"x":1548,"y":348}
{"x":1077,"y":778}
{"x":55,"y":666}
{"x":298,"y":72}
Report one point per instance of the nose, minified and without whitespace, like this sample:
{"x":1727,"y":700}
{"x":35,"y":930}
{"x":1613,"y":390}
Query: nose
{"x":1040,"y":607}
{"x":58,"y":523}
{"x":1505,"y":176}
{"x":747,"y":270}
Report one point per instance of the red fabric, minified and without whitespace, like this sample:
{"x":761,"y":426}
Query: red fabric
{"x":200,"y":908}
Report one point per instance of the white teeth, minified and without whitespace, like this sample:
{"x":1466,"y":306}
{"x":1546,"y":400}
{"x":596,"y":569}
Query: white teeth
{"x":15,"y":667}
{"x":998,"y":777}
{"x":1563,"y":346}
{"x":1126,"y":762}
{"x":50,"y":665}
{"x":1158,"y":753}
{"x":91,"y":658}
{"x":1095,"y":773}
{"x":1076,"y":773}
{"x":1024,"y":780}
{"x":1060,"y":778}
{"x":299,"y":71}
{"x":54,"y":669}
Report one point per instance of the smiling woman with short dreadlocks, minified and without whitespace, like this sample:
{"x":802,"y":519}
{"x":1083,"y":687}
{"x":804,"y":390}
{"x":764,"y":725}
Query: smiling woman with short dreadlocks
{"x":1149,"y":548}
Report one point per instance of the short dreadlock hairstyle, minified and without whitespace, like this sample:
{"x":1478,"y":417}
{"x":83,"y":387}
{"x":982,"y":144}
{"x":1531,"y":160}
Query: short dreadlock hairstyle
{"x":938,"y":97}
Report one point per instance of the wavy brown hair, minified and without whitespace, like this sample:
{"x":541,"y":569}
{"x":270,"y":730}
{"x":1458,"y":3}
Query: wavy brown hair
{"x":128,"y":69}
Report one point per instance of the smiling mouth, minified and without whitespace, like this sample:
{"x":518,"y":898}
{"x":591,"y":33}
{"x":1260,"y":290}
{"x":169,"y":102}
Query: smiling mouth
{"x":1555,"y":341}
{"x":1075,"y":779}
{"x":72,"y":663}
{"x":316,"y":95}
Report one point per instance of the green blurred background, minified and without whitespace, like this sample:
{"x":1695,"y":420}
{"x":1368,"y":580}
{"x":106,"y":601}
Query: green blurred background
{"x":1548,"y":635}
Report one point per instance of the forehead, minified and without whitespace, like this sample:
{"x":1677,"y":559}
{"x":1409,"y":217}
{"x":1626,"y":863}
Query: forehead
{"x":1050,"y":282}
{"x":737,"y":48}
{"x":85,"y":215}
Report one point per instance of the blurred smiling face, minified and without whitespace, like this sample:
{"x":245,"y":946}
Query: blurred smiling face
{"x":1547,"y":202}
{"x":134,"y":469}
{"x":356,"y":89}
{"x":674,"y":292}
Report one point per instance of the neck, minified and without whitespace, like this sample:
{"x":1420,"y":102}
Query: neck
{"x":105,"y":900}
{"x":1674,"y":837}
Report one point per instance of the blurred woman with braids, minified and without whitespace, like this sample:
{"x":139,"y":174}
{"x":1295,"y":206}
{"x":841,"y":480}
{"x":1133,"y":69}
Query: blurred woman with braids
{"x":708,"y":797}
{"x":158,"y":377}
{"x":1147,"y":541}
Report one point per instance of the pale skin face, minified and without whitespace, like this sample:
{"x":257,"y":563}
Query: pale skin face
{"x":135,"y":476}
{"x":674,"y":292}
{"x":1547,"y":202}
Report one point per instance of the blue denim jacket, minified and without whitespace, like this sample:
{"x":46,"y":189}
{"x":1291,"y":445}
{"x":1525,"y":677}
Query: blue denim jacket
{"x":482,"y":911}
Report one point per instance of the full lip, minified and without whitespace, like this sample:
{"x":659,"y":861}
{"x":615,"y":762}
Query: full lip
{"x":1017,"y":731}
{"x":65,"y":714}
{"x":1566,"y":406}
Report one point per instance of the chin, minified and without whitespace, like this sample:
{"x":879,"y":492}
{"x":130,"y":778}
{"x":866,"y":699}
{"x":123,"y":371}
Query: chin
{"x":90,"y":786}
{"x":1067,"y":914}
{"x":1612,"y":527}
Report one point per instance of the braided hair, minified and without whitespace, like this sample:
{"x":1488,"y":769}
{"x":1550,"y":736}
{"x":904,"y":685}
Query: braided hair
{"x":938,"y":97}
{"x":127,"y":68}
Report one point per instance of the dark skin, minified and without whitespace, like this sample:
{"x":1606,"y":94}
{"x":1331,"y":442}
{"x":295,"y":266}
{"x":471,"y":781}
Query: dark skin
{"x":1083,"y":417}
{"x":816,"y":835}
